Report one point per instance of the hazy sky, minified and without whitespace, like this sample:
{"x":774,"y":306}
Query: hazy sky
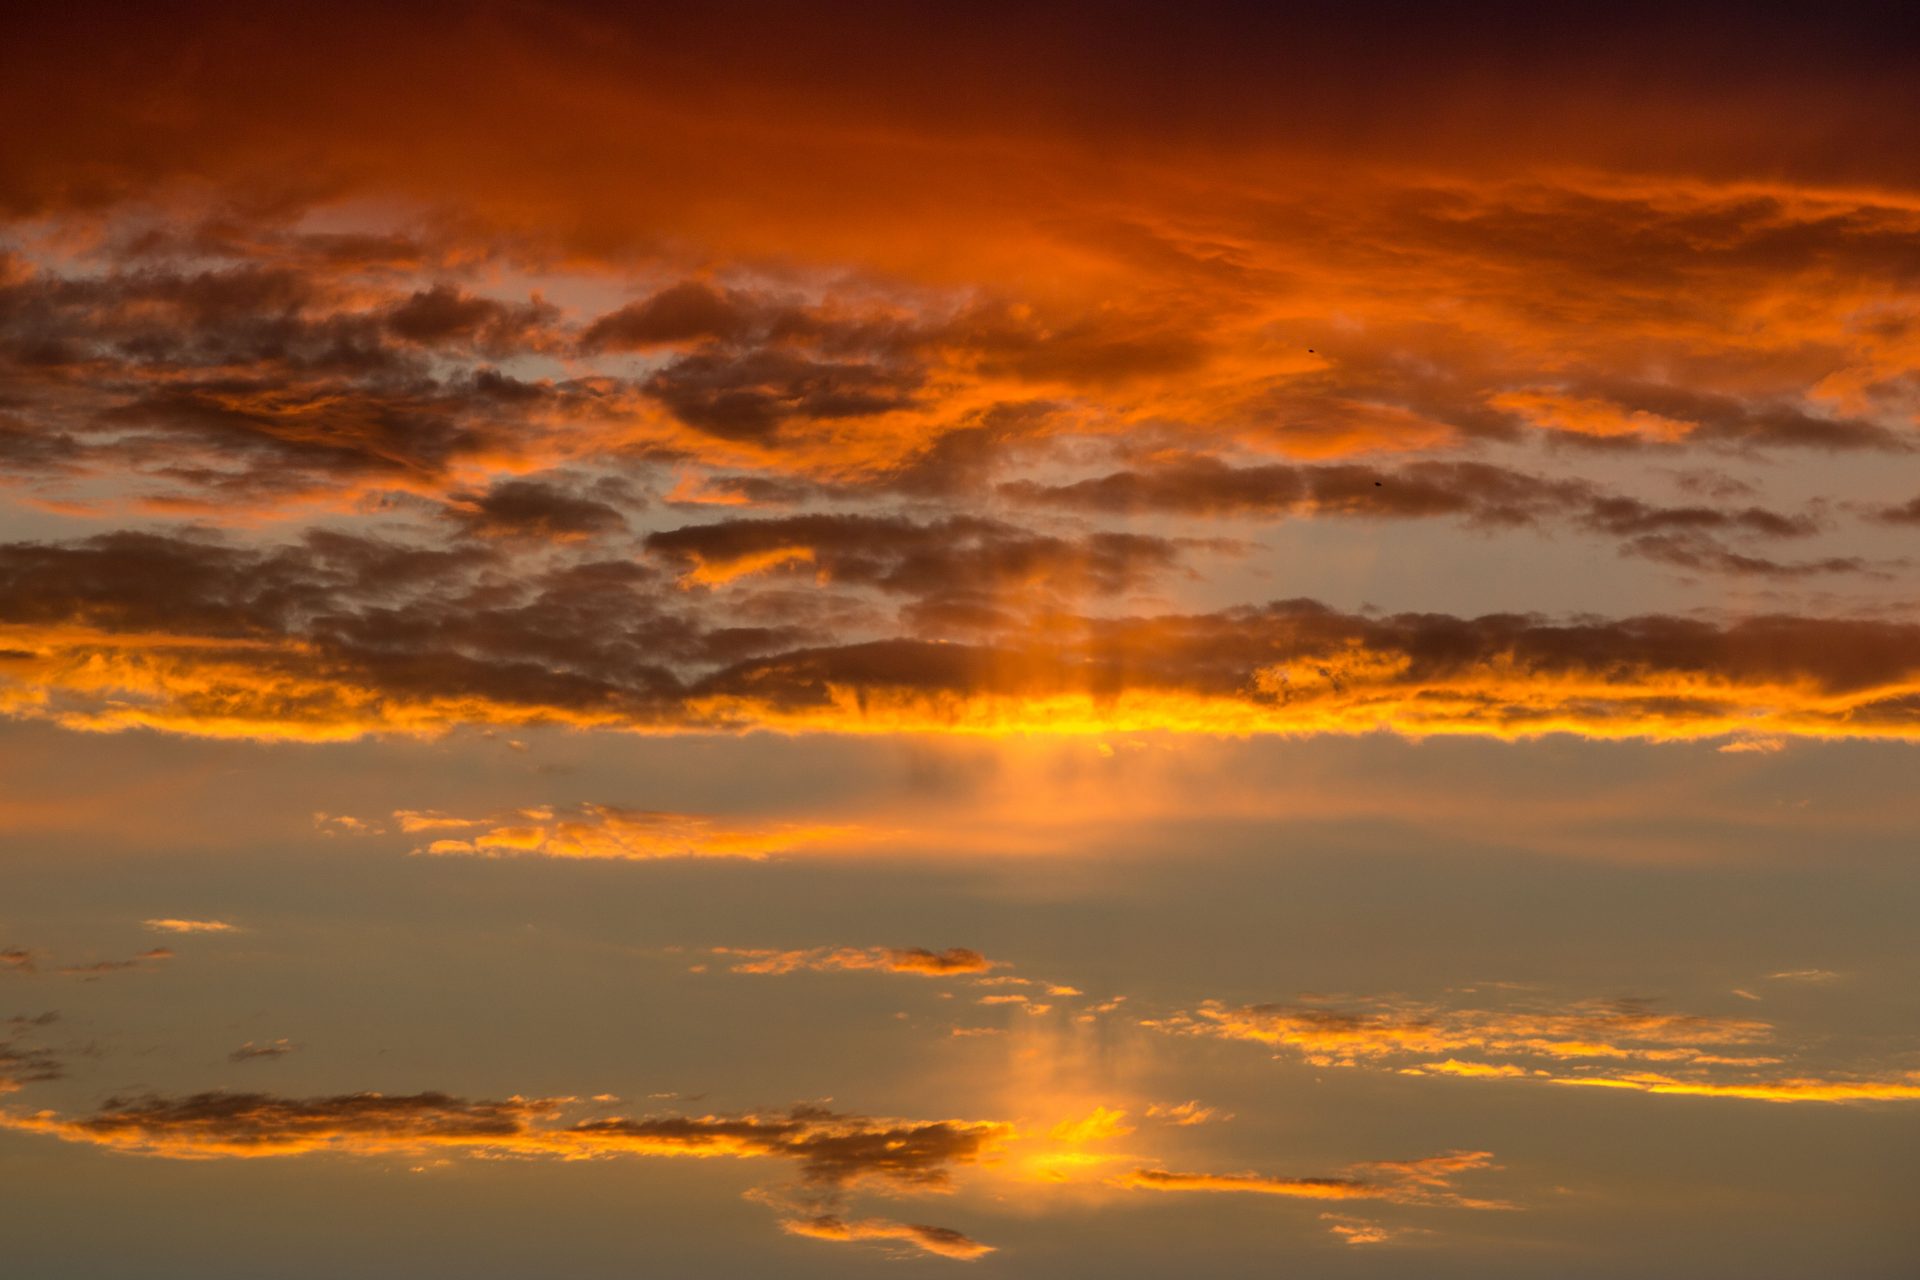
{"x":742,"y":640}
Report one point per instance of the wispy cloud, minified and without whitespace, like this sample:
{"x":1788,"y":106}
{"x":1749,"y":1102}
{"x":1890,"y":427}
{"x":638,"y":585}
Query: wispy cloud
{"x":915,"y":960}
{"x":170,"y":924}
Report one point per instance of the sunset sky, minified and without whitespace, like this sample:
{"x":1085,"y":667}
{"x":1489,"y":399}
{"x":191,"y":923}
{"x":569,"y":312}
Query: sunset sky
{"x":1089,"y":640}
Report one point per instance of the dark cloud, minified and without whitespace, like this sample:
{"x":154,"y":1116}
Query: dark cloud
{"x":832,"y":1150}
{"x":26,"y":961}
{"x":750,"y":396}
{"x":22,"y":1065}
{"x":1907,"y":512}
{"x":1477,"y":493}
{"x":1700,"y":554}
{"x":444,"y":314}
{"x":1481,"y":493}
{"x":950,"y":558}
{"x":1204,"y":486}
{"x":336,"y":612}
{"x":833,"y":1153}
{"x":530,"y":508}
{"x":962,"y":460}
{"x":1377,"y":84}
{"x":99,"y":968}
{"x":687,"y":312}
{"x":741,"y":490}
{"x":1637,"y":675}
{"x":253,"y":380}
{"x":249,"y":1122}
{"x":760,"y":360}
{"x":1780,"y":420}
{"x":342,"y":634}
{"x":952,"y":960}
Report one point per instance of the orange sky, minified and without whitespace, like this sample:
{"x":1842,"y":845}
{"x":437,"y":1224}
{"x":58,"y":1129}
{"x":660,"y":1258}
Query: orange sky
{"x":1058,"y":631}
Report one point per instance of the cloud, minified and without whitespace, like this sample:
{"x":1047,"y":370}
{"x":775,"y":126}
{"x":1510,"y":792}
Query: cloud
{"x":446,"y":315}
{"x":256,"y":382}
{"x":1477,"y":493}
{"x":1354,"y":1230}
{"x":751,"y":396}
{"x":527,"y":508}
{"x":1423,"y":1181}
{"x":1787,"y":1089}
{"x":830,"y":1150}
{"x":1907,"y":512}
{"x":340,"y":636}
{"x":1626,"y":1044}
{"x":1260,"y":1184}
{"x":170,"y":924}
{"x":1184,"y":1113}
{"x":21,"y":1063}
{"x":1097,"y":1125}
{"x":1702,"y":554}
{"x":957,"y":556}
{"x":244,"y":368}
{"x":1296,"y":667}
{"x":1330,"y":1035}
{"x":944,"y":1241}
{"x":1752,"y":746}
{"x":98,"y":968}
{"x":603,"y":831}
{"x":482,"y":387}
{"x":1199,"y":485}
{"x":915,"y":960}
{"x":250,"y":1052}
{"x":25,"y":961}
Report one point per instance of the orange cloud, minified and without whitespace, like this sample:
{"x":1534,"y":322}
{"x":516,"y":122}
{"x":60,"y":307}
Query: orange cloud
{"x":1423,"y":1181}
{"x":1585,"y":1044}
{"x":1184,"y":1113}
{"x":1357,"y":1230}
{"x":1098,"y":1125}
{"x":1259,"y":1184}
{"x":1796,"y":1089}
{"x":1334,"y":1036}
{"x":1289,"y":668}
{"x":172,"y":925}
{"x":1591,"y":417}
{"x":832,"y":1152}
{"x":605,"y":832}
{"x":831,"y":1149}
{"x":943,"y":1241}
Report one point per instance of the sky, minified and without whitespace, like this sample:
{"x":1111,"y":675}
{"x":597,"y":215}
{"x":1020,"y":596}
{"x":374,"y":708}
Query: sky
{"x":1074,"y":640}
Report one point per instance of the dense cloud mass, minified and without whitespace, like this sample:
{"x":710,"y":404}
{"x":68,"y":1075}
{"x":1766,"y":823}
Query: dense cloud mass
{"x":475,"y":460}
{"x":313,"y":483}
{"x":341,"y":635}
